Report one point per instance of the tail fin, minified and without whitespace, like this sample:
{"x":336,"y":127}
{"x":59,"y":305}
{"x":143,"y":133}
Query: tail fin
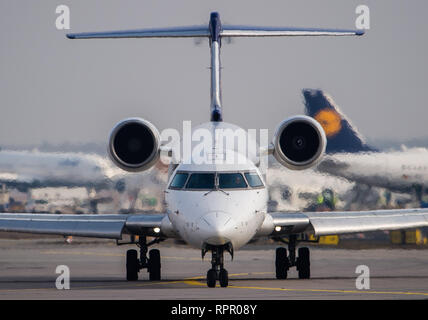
{"x":342,"y":136}
{"x":215,"y":31}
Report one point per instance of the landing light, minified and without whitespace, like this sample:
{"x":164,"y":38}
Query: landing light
{"x":277,"y":228}
{"x":156,"y":230}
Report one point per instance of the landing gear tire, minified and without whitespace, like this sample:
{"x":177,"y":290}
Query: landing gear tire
{"x":281,"y":263}
{"x":223,"y":278}
{"x":217,"y":271}
{"x":211,"y":278}
{"x":303,"y":263}
{"x":132,"y":265}
{"x":154,"y":267}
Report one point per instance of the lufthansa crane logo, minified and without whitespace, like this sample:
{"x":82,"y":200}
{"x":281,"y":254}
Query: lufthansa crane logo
{"x":330,"y":121}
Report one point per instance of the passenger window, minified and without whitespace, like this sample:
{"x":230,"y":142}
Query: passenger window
{"x":231,"y":181}
{"x":179,"y":180}
{"x":253,"y":179}
{"x":201,"y":181}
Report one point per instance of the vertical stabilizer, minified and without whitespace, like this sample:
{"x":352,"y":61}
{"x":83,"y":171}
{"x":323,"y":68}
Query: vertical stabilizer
{"x":342,"y":136}
{"x":215,"y":44}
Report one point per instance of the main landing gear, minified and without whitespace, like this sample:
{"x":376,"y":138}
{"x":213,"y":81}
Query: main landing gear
{"x":283,"y":262}
{"x":152,"y":263}
{"x":217,"y":271}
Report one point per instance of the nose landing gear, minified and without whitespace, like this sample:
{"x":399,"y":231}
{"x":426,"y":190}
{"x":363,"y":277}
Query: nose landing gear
{"x":217,"y":271}
{"x":283,"y":262}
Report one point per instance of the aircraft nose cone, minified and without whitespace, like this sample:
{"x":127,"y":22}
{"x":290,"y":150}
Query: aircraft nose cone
{"x":217,"y":226}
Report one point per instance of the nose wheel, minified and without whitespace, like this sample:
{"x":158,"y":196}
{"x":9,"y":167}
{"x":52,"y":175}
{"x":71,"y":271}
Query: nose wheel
{"x":221,"y":275}
{"x":283,"y":262}
{"x":211,"y":278}
{"x":217,"y":271}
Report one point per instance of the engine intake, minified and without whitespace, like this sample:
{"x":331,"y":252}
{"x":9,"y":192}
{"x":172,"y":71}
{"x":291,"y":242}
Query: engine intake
{"x":134,"y":144}
{"x":299,"y":142}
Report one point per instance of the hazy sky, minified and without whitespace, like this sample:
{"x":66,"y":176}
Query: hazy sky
{"x":53,"y":89}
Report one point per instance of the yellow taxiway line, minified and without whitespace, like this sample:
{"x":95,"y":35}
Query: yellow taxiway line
{"x":101,"y":254}
{"x":195,"y":281}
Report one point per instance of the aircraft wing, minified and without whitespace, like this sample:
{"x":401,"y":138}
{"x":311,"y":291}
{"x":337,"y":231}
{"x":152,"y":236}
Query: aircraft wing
{"x":339,"y":222}
{"x":110,"y":226}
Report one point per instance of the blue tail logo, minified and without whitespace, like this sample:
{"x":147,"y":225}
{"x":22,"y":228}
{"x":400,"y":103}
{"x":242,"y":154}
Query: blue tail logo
{"x":342,"y":136}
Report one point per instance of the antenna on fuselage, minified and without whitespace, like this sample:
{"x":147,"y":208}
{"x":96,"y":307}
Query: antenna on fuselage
{"x":215,"y":31}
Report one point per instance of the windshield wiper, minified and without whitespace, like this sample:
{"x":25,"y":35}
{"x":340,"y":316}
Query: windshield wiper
{"x":217,"y":189}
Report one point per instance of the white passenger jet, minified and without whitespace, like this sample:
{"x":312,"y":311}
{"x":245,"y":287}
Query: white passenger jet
{"x":33,"y":169}
{"x":350,"y":157}
{"x":216,"y":206}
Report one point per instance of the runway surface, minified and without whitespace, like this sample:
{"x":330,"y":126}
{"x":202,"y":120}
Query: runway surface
{"x":97,"y":270}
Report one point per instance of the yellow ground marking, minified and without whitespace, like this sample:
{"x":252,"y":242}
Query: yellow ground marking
{"x":337,"y":291}
{"x":102,"y":254}
{"x":180,"y":258}
{"x":193,"y":281}
{"x":126,"y":284}
{"x":83,"y":253}
{"x":197,"y":283}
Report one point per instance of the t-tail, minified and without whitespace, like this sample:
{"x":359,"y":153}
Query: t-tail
{"x":342,"y":136}
{"x":215,"y":31}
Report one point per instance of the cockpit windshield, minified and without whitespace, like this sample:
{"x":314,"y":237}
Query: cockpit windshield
{"x":179,"y":180}
{"x":231,"y":181}
{"x":253,"y":179}
{"x":216,"y":180}
{"x":201,"y":181}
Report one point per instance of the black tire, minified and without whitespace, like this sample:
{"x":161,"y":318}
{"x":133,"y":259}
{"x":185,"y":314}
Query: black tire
{"x":303,"y":263}
{"x":154,"y":265}
{"x":281,"y":263}
{"x":223,"y":278}
{"x":211,"y":278}
{"x":132,"y":265}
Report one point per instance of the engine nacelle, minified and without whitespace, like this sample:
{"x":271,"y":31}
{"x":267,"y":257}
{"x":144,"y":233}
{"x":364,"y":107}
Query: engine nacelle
{"x":299,"y":142}
{"x":134,"y":144}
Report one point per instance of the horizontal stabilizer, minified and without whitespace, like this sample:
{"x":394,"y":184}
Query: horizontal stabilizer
{"x":177,"y":32}
{"x":253,"y":31}
{"x":203,"y":31}
{"x":214,"y":31}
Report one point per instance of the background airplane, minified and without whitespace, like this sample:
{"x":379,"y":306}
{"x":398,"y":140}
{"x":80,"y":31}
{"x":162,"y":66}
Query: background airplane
{"x":291,"y":190}
{"x":73,"y":181}
{"x":350,"y":157}
{"x":29,"y":169}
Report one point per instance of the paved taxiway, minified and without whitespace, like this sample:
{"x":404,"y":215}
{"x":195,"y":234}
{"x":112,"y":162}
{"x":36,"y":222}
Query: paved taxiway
{"x":27,"y":271}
